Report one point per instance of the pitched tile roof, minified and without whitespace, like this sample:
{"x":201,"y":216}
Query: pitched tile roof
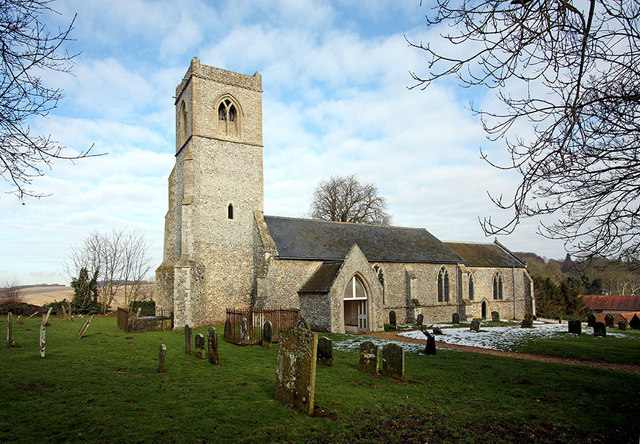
{"x":485,"y":255}
{"x":612,"y":303}
{"x":311,"y":239}
{"x":322,"y":279}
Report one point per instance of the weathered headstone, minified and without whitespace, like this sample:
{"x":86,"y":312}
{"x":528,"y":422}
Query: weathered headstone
{"x":45,"y":318}
{"x":244,"y":330}
{"x":455,"y":318}
{"x":200,"y":353}
{"x":591,"y":320}
{"x":296,"y":368}
{"x":575,"y":326}
{"x":430,"y":348}
{"x":437,"y":331}
{"x":623,"y":325}
{"x":393,"y":361}
{"x":392,"y":320}
{"x":608,"y":320}
{"x":187,"y":339}
{"x":635,"y":322}
{"x":267,"y":334}
{"x":325,"y":351}
{"x":64,"y":313}
{"x":495,"y":316}
{"x":43,"y":339}
{"x":303,"y":323}
{"x":212,"y":343}
{"x":420,"y":319}
{"x":10,"y":340}
{"x":599,"y":329}
{"x":162,"y":355}
{"x":368,"y":358}
{"x":84,"y":328}
{"x":527,"y":322}
{"x":475,"y":325}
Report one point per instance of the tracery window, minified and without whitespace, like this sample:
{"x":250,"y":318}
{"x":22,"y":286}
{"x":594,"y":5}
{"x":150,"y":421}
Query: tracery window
{"x":443,"y":285}
{"x":228,"y":117}
{"x":497,"y":287}
{"x":471,"y":287}
{"x":355,"y":289}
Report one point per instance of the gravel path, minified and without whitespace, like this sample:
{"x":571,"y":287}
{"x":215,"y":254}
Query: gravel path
{"x":394,"y":336}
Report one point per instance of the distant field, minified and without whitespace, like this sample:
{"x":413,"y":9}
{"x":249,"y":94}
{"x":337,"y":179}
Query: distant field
{"x":45,"y":295}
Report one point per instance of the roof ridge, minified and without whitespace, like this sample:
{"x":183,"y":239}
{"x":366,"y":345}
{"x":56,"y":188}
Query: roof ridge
{"x":307,"y":219}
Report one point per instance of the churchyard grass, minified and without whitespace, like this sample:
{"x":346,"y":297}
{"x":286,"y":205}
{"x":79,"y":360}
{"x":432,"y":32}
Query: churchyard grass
{"x":105,"y":388}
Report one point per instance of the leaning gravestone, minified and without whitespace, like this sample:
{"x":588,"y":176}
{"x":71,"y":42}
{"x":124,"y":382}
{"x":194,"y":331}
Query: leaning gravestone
{"x":325,"y":351}
{"x":527,"y":322}
{"x":455,"y":318}
{"x":635,"y":322}
{"x":212,"y":343}
{"x":591,"y":320}
{"x":623,"y":325}
{"x":495,"y":316}
{"x":437,"y":331}
{"x":43,"y":334}
{"x":368,"y":358}
{"x":187,"y":339}
{"x":475,"y":325}
{"x":296,"y":367}
{"x":267,"y":334}
{"x":599,"y":329}
{"x":162,"y":354}
{"x":430,"y":348}
{"x":575,"y":326}
{"x":84,"y":328}
{"x":393,"y":361}
{"x":608,"y":320}
{"x":200,"y":353}
{"x":392,"y":320}
{"x":420,"y":320}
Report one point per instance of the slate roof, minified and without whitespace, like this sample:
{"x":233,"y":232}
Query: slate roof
{"x":322,"y":279}
{"x":612,"y":303}
{"x":485,"y":255}
{"x":310,"y":239}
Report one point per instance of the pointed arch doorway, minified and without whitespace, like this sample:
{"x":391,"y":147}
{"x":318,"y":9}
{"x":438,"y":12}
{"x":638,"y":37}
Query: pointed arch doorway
{"x":484,"y":310}
{"x":356,"y":310}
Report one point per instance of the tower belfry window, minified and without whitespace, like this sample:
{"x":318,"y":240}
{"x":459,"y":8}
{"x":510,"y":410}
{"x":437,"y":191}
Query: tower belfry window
{"x":228,"y":118}
{"x":230,"y":211}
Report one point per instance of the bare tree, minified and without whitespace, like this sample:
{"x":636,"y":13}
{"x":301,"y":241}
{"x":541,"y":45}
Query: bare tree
{"x":10,"y":296}
{"x":122,"y":260}
{"x":567,"y":76}
{"x":29,"y":51}
{"x":345,"y":199}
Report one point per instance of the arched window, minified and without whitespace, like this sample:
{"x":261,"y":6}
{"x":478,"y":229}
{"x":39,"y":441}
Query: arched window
{"x":355,"y":289}
{"x":379,"y":273}
{"x":182,"y":123}
{"x":230,"y":211}
{"x":443,"y":285}
{"x":228,"y":121}
{"x":497,"y":287}
{"x":470,"y":287}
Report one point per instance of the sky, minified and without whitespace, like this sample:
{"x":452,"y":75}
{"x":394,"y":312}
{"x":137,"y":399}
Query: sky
{"x":336,"y":101}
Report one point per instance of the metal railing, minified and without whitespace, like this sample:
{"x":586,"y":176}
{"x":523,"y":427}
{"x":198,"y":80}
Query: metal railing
{"x":244,"y":325}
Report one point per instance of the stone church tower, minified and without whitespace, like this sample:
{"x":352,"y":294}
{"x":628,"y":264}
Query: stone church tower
{"x":211,"y":240}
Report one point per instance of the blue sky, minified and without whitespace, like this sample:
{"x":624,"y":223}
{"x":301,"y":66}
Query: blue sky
{"x":336,"y":101}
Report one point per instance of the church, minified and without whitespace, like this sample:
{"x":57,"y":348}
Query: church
{"x":221,"y":251}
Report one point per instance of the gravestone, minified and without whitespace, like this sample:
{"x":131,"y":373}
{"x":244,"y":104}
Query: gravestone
{"x":475,"y":325}
{"x":267,"y":334}
{"x":393,"y":361}
{"x":437,"y":331}
{"x":575,"y":326}
{"x":623,"y":325}
{"x":45,"y":318}
{"x":495,"y":316}
{"x":187,"y":339}
{"x":84,"y":328}
{"x":200,"y":353}
{"x":635,"y":322}
{"x":430,"y":348}
{"x":599,"y":329}
{"x":303,"y":323}
{"x":325,"y":351}
{"x":296,"y":368}
{"x":162,"y":355}
{"x":10,"y":341}
{"x":455,"y":318}
{"x":244,"y":330}
{"x":212,"y":342}
{"x":43,"y":334}
{"x":392,"y":320}
{"x":608,"y":320}
{"x":368,"y":358}
{"x":591,"y":320}
{"x":420,"y":319}
{"x":527,"y":322}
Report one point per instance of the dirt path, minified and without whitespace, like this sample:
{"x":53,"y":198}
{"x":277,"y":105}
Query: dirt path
{"x":393,"y":336}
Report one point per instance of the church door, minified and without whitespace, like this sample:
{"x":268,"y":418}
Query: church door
{"x":355,"y":306}
{"x":362,"y":315}
{"x":484,"y":310}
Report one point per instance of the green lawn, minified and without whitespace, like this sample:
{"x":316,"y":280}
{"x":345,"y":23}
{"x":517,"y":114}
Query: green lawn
{"x":105,"y":388}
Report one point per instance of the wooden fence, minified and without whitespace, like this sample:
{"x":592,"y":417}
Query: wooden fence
{"x":131,"y":322}
{"x":244,"y":326}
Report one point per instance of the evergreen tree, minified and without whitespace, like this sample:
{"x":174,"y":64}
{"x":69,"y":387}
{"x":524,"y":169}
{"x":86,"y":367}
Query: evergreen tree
{"x":85,"y":293}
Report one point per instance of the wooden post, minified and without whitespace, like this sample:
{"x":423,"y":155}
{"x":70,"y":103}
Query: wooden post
{"x":45,"y":318}
{"x":83,"y":329}
{"x":43,"y":332}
